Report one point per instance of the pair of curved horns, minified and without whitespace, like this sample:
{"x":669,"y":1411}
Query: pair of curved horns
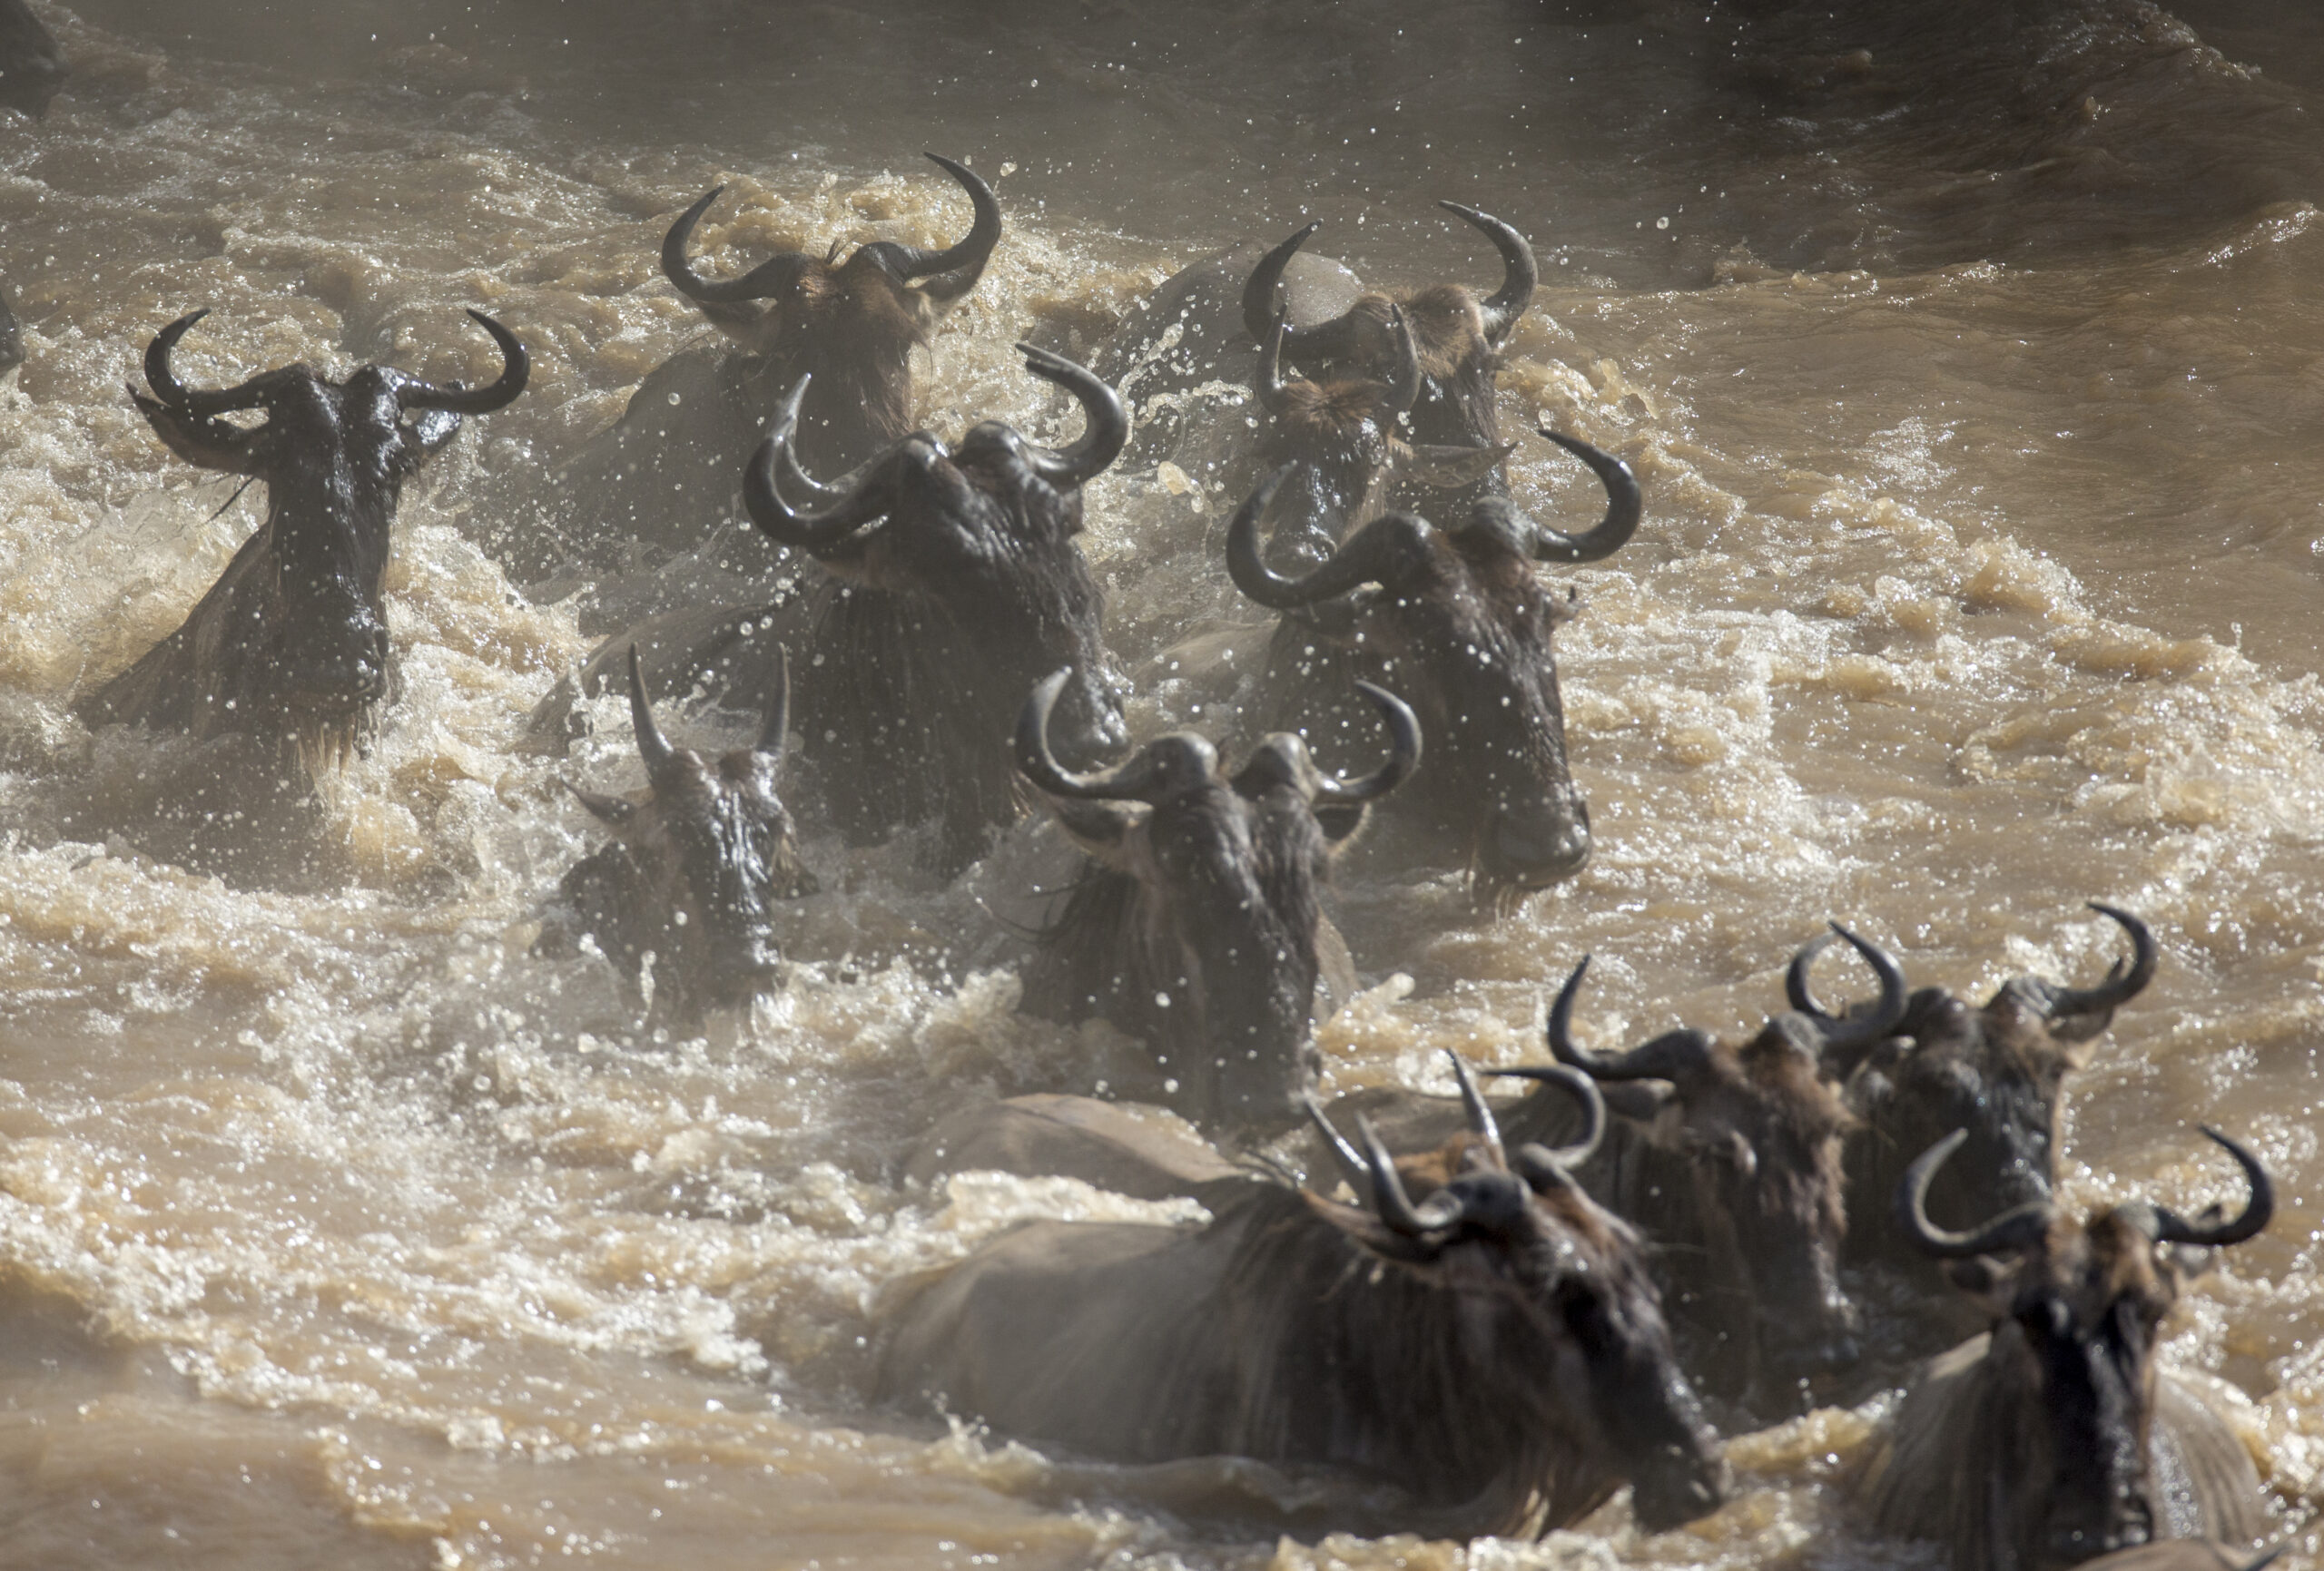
{"x":2120,"y":986}
{"x":1399,"y":394}
{"x":966,"y":259}
{"x":2023,"y":1226}
{"x":1501,"y":309}
{"x":1840,"y":1031}
{"x":846,"y":505}
{"x":411,"y":393}
{"x":1143,"y":778}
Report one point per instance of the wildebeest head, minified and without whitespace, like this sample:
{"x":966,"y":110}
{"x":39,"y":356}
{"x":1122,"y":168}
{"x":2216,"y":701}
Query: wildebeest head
{"x":1512,"y":1234}
{"x":1457,"y":620}
{"x":2072,"y":1366}
{"x":32,"y":68}
{"x":294,"y":638}
{"x":1340,"y":433}
{"x":852,"y":325}
{"x":1458,"y":333}
{"x":1760,"y":1133}
{"x":697,"y":867}
{"x":1200,"y":923}
{"x":1995,"y":1072}
{"x":981,"y":541}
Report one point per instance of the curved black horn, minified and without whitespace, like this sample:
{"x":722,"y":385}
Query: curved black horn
{"x":2119,"y":986}
{"x":1673,"y":1056}
{"x":1267,"y":381}
{"x":769,"y":278}
{"x":659,"y":755}
{"x":176,"y":394}
{"x":814,"y":532}
{"x":1345,"y":1157}
{"x":1370,"y":556}
{"x":1478,"y":1111}
{"x":1585,"y":1091}
{"x":1519,"y":273}
{"x":1390,"y":1201}
{"x":775,"y":725}
{"x":1125,"y":781}
{"x":1841,"y":1031}
{"x":516,"y":369}
{"x":2257,"y":1211}
{"x":1624,"y":507}
{"x":1404,"y":384}
{"x":2012,"y":1230}
{"x":967,"y":257}
{"x":1102,"y":438}
{"x":1258,"y":291}
{"x":1403,"y":755}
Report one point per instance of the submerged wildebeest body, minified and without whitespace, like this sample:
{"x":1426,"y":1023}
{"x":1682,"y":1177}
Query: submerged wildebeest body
{"x":32,"y":68}
{"x":1997,"y":1073}
{"x":1727,"y":1157}
{"x":1144,"y":1153}
{"x":1456,"y":621}
{"x":2057,"y":1438}
{"x":664,"y":477}
{"x":1487,"y":1342}
{"x":687,"y":885}
{"x":290,"y":646}
{"x":953,"y":581}
{"x":1196,"y":927}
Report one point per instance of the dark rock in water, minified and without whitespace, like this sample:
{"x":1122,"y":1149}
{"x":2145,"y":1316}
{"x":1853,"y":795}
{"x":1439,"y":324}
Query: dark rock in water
{"x":32,"y":68}
{"x":12,"y":342}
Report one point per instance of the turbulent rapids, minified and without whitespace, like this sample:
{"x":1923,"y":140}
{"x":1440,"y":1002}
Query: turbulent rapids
{"x":537,"y":1103}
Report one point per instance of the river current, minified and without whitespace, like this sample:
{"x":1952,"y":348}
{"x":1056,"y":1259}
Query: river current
{"x":1971,"y":355}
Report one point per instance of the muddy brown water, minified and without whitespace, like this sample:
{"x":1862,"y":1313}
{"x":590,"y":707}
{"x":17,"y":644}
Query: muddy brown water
{"x":1970,"y":355}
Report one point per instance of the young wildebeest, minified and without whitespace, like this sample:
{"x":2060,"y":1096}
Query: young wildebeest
{"x":665,"y":474}
{"x":290,"y":644}
{"x":1460,"y":625}
{"x":1995,"y":1072}
{"x":956,"y":581}
{"x":687,"y":884}
{"x":2056,"y":1438}
{"x":1474,"y":1332}
{"x":1728,"y":1156}
{"x":1195,"y":927}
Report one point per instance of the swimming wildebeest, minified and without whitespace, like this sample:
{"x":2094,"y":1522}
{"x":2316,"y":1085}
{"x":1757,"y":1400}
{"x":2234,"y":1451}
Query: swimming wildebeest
{"x":1473,"y":1330}
{"x":665,"y":474}
{"x":1455,"y":620}
{"x":1196,"y":926}
{"x":2057,"y":1438}
{"x":290,"y":646}
{"x":1139,"y":1151}
{"x":1729,"y":1156}
{"x":1995,"y":1072}
{"x":32,"y":68}
{"x":696,"y":865}
{"x":956,"y":581}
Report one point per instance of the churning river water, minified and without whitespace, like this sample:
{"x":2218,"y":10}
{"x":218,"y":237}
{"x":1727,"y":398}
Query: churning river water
{"x":1971,"y":353}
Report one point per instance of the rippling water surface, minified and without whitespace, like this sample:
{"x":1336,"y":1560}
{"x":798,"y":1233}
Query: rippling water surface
{"x":1970,"y":355}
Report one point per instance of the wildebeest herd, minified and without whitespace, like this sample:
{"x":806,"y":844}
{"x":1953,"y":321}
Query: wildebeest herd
{"x":1500,"y":1308}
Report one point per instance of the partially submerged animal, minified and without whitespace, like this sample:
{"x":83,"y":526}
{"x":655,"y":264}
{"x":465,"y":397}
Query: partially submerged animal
{"x":1196,"y":926}
{"x":681,"y":900}
{"x":32,"y":68}
{"x":1473,"y":1331}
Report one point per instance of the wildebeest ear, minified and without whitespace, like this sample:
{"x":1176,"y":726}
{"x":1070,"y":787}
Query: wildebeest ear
{"x":611,"y":810}
{"x":1099,"y":827}
{"x":1991,"y":1280}
{"x":1450,"y":467}
{"x":204,"y":441}
{"x":1643,"y":1100}
{"x":1340,"y":822}
{"x":424,"y":436}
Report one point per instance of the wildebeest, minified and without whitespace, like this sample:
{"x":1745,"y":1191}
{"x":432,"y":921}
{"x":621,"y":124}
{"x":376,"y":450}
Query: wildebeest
{"x":1195,"y":927}
{"x":2057,"y":1438}
{"x":663,"y":474}
{"x":1454,"y":619}
{"x":290,"y":646}
{"x":32,"y":68}
{"x":1142,"y":1152}
{"x":684,"y":891}
{"x":1729,"y":1156}
{"x":1995,"y":1072}
{"x":957,"y":581}
{"x":1474,"y":1332}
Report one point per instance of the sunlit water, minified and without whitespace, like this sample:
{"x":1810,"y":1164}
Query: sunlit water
{"x":1969,"y":358}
